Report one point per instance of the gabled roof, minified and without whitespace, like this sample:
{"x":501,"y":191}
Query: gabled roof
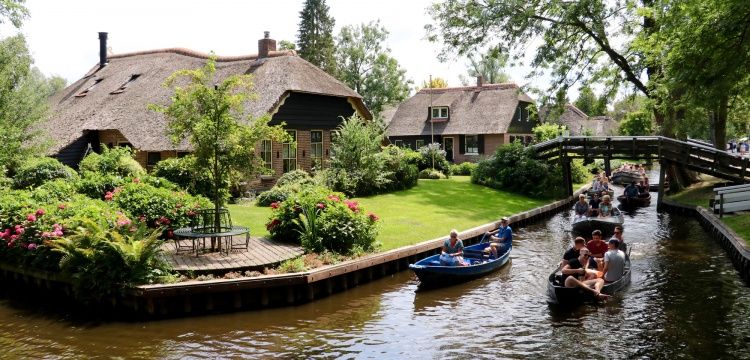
{"x":577,"y":121}
{"x":274,"y":76}
{"x":486,"y":109}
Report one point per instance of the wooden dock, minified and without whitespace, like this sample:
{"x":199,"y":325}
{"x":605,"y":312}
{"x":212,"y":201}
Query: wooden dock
{"x":261,"y":253}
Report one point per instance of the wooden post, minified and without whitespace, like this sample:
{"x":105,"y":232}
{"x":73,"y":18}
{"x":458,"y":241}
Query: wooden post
{"x":662,"y":180}
{"x":567,"y":177}
{"x":721,"y":205}
{"x":607,"y":166}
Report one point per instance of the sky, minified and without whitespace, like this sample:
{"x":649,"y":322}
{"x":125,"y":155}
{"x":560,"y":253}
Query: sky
{"x":63,"y":40}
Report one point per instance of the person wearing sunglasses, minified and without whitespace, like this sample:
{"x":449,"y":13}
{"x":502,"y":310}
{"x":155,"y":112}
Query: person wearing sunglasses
{"x":577,"y":275}
{"x":618,"y":236}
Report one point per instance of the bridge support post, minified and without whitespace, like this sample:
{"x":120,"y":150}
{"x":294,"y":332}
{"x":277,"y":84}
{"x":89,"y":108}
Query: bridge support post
{"x":662,"y":181}
{"x":607,"y":166}
{"x":567,"y":176}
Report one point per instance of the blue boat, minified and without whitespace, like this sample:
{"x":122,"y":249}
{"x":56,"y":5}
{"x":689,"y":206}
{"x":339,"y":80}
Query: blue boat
{"x":432,"y":274}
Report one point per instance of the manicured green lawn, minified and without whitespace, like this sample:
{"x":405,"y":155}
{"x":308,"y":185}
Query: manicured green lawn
{"x":740,"y":224}
{"x":424,"y":212}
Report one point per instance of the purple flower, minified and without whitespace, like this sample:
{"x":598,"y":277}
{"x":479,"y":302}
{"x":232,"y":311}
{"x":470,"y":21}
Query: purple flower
{"x":31,"y":246}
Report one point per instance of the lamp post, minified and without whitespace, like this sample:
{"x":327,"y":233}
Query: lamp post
{"x":432,"y":128}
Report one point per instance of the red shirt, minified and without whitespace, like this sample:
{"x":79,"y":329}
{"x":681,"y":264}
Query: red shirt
{"x":597,"y":247}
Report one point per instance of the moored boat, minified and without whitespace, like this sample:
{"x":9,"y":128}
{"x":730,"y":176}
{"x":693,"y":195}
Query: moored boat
{"x":585,"y":225}
{"x":557,"y":293}
{"x":432,"y":274}
{"x":643,"y":199}
{"x":624,"y":177}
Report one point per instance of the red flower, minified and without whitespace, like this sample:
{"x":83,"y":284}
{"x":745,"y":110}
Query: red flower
{"x":108,"y":196}
{"x":31,"y":246}
{"x":136,"y":180}
{"x":275,"y":205}
{"x":353,"y":205}
{"x":373,"y":217}
{"x":170,"y":234}
{"x":334,"y":198}
{"x":321,"y":206}
{"x":61,"y":206}
{"x":5,"y":234}
{"x":31,"y":218}
{"x":272,"y":224}
{"x":40,"y":212}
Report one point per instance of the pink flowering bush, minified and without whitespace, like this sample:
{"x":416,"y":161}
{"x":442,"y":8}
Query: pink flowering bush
{"x":339,"y":225}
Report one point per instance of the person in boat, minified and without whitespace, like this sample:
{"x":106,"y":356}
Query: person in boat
{"x":572,"y":253}
{"x":582,"y":207}
{"x":618,"y":236}
{"x":604,"y":187}
{"x":597,"y":247}
{"x":453,"y":251}
{"x":596,"y":185}
{"x":605,"y":207}
{"x":614,"y":262}
{"x":644,"y":182}
{"x":594,"y":205}
{"x":631,"y":191}
{"x":577,"y":275}
{"x":498,"y":238}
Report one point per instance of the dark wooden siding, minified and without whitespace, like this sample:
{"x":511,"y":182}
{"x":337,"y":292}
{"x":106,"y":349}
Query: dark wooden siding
{"x":311,"y":111}
{"x":521,"y":124}
{"x":72,"y":154}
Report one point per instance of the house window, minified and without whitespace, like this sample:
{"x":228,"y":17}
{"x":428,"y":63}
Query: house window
{"x":153,"y":158}
{"x":182,"y":154}
{"x":399,"y":143}
{"x":86,"y":92}
{"x":265,"y":153}
{"x":316,"y":149}
{"x":440,"y":112}
{"x":420,"y":143}
{"x":472,"y":145}
{"x":124,"y":86}
{"x":289,"y":152}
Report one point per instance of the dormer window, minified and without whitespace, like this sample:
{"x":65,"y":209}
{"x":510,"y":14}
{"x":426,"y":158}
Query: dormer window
{"x":439,"y":113}
{"x":86,"y":92}
{"x":124,"y":86}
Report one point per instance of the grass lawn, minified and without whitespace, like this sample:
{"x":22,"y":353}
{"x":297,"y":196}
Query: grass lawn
{"x":429,"y":210}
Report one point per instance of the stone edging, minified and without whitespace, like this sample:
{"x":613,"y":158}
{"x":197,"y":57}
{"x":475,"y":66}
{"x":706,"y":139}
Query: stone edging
{"x":735,"y":246}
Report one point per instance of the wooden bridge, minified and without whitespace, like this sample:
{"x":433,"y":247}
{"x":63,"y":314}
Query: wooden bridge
{"x":692,"y":155}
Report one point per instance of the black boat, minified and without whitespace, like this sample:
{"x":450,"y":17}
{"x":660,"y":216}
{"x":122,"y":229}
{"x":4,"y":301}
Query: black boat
{"x":643,"y":199}
{"x":557,"y":293}
{"x":585,"y":225}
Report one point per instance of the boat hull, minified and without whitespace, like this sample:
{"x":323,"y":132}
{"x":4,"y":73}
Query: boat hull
{"x":564,"y":296}
{"x":586,"y":225}
{"x":643,"y":199}
{"x":626,"y":177}
{"x":431,"y":274}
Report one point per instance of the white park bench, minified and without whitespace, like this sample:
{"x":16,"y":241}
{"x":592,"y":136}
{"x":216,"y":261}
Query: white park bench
{"x":730,"y":199}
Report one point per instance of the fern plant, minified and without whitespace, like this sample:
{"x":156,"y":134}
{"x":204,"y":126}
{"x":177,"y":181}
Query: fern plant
{"x":308,"y":229}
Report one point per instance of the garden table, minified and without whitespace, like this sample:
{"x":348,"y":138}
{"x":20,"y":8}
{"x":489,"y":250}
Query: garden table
{"x":226,"y":234}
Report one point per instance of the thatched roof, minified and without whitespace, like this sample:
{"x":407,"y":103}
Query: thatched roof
{"x":274,"y":76}
{"x":578,"y":122}
{"x":486,"y":109}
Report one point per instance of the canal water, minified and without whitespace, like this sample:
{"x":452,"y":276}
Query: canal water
{"x":685,"y":301}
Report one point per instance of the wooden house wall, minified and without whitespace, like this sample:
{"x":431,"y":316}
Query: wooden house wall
{"x":312,"y":111}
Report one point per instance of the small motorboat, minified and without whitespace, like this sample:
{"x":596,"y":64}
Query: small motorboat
{"x":643,"y":199}
{"x":557,"y":293}
{"x":585,"y":225}
{"x":624,"y":177}
{"x":432,"y":274}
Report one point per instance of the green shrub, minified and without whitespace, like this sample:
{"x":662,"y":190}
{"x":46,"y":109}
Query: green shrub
{"x":37,"y":171}
{"x":464,"y":168}
{"x":357,"y":148}
{"x":340,"y":225}
{"x":158,"y":207}
{"x":55,"y":191}
{"x":183,"y":173}
{"x":117,"y":161}
{"x":402,"y":164}
{"x":435,"y":150}
{"x":299,"y":177}
{"x":275,"y":194}
{"x":547,"y":131}
{"x":292,"y":265}
{"x":96,"y":186}
{"x":157,"y":182}
{"x":431,"y":174}
{"x":637,"y":124}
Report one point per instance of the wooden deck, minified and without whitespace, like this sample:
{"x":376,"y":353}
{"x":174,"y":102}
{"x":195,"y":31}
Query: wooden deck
{"x":261,"y":253}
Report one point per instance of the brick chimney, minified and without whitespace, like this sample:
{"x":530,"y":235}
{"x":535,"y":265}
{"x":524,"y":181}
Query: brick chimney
{"x":266,"y":45}
{"x":480,"y":81}
{"x":102,"y":49}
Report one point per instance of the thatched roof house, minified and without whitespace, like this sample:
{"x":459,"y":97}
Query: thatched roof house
{"x":469,"y":121}
{"x":109,"y":104}
{"x":578,"y":123}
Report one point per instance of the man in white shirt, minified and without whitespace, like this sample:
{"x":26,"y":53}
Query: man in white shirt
{"x":614,"y":262}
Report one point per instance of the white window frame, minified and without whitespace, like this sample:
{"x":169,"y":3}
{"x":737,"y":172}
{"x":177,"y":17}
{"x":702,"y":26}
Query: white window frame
{"x":398,"y":143}
{"x":312,"y":150}
{"x":466,"y":145}
{"x":442,"y":112}
{"x":267,"y":164}
{"x":417,"y":144}
{"x":286,"y":148}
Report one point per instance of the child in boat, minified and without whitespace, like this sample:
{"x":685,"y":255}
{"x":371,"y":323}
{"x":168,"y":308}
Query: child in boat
{"x":453,"y":251}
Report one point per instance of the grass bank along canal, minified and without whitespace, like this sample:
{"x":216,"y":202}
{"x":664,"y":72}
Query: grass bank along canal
{"x":686,"y":301}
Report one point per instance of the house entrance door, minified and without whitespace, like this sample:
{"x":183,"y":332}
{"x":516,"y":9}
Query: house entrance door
{"x":448,"y":147}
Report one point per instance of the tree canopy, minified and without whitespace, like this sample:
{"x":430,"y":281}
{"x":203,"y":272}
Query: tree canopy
{"x":315,"y":36}
{"x":366,"y":66}
{"x":589,"y":103}
{"x":489,"y":65}
{"x":435,"y":83}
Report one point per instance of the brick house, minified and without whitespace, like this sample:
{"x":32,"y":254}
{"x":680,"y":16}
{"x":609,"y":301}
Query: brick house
{"x":470,"y":122}
{"x":109,"y":105}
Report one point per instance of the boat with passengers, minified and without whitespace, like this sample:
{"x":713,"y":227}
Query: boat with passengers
{"x":558,"y":293}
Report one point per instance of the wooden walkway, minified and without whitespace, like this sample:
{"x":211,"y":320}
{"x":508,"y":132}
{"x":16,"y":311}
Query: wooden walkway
{"x":261,"y":253}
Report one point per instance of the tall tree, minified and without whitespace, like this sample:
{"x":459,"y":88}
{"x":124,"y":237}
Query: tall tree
{"x":14,"y":11}
{"x":364,"y":65}
{"x":315,"y":36}
{"x":212,"y":116}
{"x":587,"y":101}
{"x":287,"y":45}
{"x":489,"y":65}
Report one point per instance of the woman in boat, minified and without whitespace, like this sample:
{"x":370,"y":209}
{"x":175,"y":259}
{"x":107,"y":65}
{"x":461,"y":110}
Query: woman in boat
{"x":581,"y":207}
{"x":604,"y":186}
{"x":577,"y":275}
{"x":605,"y":208}
{"x":453,"y":251}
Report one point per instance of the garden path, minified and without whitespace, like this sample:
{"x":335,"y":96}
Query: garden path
{"x":261,"y":253}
